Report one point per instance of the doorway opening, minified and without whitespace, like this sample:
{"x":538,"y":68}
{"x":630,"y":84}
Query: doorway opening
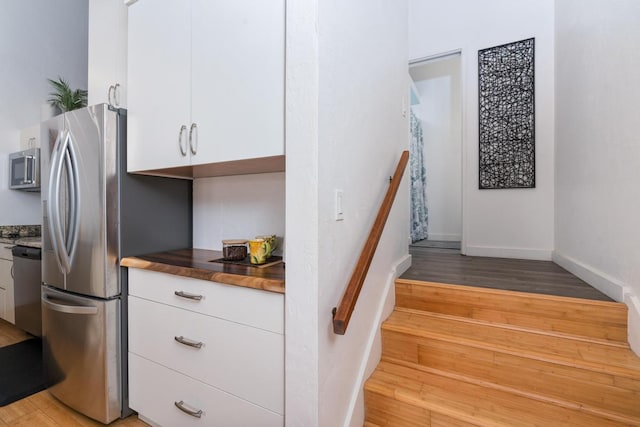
{"x":436,"y":152}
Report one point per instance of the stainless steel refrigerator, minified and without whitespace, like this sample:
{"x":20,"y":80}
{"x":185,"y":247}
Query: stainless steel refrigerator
{"x":94,"y":213}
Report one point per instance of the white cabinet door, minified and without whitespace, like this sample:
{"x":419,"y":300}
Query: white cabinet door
{"x":107,"y":52}
{"x":30,"y":137}
{"x":159,"y":88}
{"x":237,"y":76}
{"x":6,"y":283}
{"x":3,"y":298}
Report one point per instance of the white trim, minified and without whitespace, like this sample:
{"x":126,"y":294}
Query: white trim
{"x":437,"y":56}
{"x":598,"y":279}
{"x":464,"y":203}
{"x":147,"y":420}
{"x":403,"y":265}
{"x":130,"y":2}
{"x":633,"y":320}
{"x":445,"y":237}
{"x":611,"y":287}
{"x":502,"y":252}
{"x":373,"y":349}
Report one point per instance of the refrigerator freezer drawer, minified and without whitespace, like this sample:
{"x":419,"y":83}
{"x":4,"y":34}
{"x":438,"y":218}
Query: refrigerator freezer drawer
{"x":81,"y":351}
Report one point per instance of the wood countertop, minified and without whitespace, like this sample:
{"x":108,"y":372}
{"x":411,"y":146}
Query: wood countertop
{"x":195,"y":263}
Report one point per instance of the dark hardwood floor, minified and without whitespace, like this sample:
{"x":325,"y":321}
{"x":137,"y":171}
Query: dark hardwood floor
{"x":543,"y":277}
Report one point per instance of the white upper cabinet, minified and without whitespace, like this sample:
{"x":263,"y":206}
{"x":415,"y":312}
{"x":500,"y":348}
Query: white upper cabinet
{"x":30,"y":137}
{"x":238,"y":78}
{"x":107,"y":79}
{"x":159,"y":83}
{"x":205,"y":82}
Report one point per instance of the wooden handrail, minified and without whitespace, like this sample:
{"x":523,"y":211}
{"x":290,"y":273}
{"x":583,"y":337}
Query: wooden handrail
{"x":342,"y":313}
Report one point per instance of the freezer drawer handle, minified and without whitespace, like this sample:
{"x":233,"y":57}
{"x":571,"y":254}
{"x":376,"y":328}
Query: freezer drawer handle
{"x":187,"y":341}
{"x":193,"y":413}
{"x":70,"y":309}
{"x":187,"y":295}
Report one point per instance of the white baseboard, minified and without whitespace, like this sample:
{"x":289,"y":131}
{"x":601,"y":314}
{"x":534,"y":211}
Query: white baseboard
{"x":373,"y":350}
{"x":501,"y":252}
{"x":611,"y":287}
{"x":403,"y":265}
{"x":633,"y":321}
{"x":601,"y":281}
{"x":446,"y":237}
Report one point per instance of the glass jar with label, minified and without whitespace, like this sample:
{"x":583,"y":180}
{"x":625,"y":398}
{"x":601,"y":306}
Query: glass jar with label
{"x":234,"y":250}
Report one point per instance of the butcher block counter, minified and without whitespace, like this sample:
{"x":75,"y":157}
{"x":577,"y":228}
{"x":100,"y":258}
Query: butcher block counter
{"x":196,"y":264}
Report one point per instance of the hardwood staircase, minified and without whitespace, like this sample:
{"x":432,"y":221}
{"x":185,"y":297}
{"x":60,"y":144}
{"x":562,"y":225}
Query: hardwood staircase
{"x":459,"y":356}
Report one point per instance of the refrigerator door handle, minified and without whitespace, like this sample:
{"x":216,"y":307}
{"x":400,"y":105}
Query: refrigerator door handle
{"x":69,"y":309}
{"x":53,"y":206}
{"x":63,"y":253}
{"x":74,"y":201}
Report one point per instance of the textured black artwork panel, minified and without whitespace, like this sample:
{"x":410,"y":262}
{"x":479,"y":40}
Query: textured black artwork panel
{"x":506,"y":108}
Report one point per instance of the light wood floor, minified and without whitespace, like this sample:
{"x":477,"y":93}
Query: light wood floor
{"x":42,"y":409}
{"x":543,"y":277}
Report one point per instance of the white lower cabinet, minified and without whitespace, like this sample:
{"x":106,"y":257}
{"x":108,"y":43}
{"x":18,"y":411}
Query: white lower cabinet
{"x":156,"y":392}
{"x":3,"y":298}
{"x":204,"y":352}
{"x":7,"y":311}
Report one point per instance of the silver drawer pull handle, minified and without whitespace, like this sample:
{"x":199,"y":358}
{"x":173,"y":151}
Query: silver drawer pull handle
{"x":187,"y":295}
{"x":187,"y":341}
{"x":180,"y":405}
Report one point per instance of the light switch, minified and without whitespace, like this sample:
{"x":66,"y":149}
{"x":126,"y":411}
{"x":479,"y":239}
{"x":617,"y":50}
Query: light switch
{"x":339,"y":211}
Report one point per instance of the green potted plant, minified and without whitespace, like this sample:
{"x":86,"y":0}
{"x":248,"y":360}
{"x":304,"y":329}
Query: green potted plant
{"x":63,"y":98}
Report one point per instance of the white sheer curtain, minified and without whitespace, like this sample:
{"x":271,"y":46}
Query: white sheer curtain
{"x":419,"y":212}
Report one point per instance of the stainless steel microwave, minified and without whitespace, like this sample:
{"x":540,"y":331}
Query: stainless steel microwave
{"x":24,"y":170}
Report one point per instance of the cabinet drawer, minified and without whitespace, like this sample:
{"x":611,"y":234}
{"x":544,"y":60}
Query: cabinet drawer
{"x":244,"y":361}
{"x":253,"y":307}
{"x":154,"y":390}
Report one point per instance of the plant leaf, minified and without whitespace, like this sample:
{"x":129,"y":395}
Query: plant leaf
{"x":64,"y":98}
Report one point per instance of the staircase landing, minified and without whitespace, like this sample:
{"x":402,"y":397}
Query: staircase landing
{"x":541,"y":277}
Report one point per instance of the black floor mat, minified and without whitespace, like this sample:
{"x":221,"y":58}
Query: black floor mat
{"x":21,"y":370}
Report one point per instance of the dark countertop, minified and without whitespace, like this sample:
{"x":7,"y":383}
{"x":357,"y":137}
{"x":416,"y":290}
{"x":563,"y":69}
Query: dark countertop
{"x":23,"y":235}
{"x":33,"y":242}
{"x":195,"y":263}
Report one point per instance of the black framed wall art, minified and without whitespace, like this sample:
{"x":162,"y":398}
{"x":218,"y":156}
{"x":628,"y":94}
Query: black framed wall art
{"x":506,"y":113}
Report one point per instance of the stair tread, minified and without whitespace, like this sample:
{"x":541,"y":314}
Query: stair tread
{"x":601,"y":319}
{"x":593,"y":354}
{"x":473,"y":403}
{"x":617,"y":402}
{"x":528,"y":296}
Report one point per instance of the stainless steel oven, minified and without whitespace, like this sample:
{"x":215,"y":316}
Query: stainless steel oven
{"x":24,"y":170}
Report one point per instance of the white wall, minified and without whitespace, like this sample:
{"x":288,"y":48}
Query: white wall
{"x":237,"y":207}
{"x":346,"y":91}
{"x":440,"y":110}
{"x":39,"y":39}
{"x":598,"y":147}
{"x":509,"y":223}
{"x":301,"y":146}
